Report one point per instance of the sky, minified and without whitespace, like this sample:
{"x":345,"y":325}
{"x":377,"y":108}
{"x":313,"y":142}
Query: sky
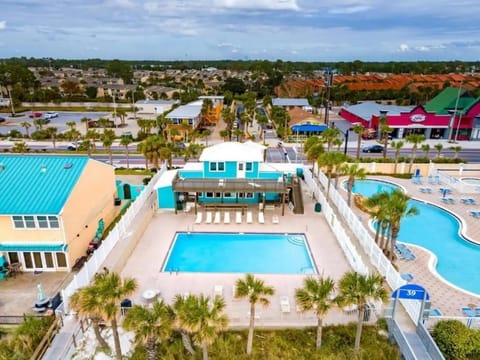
{"x":295,"y":30}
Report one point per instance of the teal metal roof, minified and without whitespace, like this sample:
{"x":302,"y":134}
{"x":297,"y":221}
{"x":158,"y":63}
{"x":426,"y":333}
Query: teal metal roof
{"x":37,"y":184}
{"x":33,"y":247}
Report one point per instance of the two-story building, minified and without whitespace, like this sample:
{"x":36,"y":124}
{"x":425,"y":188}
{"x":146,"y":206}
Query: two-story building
{"x":51,"y":208}
{"x":231,"y":174}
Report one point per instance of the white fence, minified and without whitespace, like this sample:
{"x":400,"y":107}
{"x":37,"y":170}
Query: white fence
{"x":375,"y":254}
{"x":457,"y":183}
{"x":122,"y":230}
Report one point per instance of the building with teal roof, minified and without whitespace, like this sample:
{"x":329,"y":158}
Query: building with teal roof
{"x":50,"y":207}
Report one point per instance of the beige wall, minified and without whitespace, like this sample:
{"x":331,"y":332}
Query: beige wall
{"x":387,"y":168}
{"x":91,"y":200}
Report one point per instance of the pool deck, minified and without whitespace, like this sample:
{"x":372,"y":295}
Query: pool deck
{"x":445,"y":297}
{"x":147,"y":258}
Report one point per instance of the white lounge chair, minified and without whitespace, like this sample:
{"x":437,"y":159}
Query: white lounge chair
{"x":226,"y":217}
{"x":238,"y":217}
{"x":284,"y":304}
{"x":217,"y":217}
{"x":261,"y":218}
{"x":249,"y":217}
{"x":208,"y":220}
{"x":274,"y":219}
{"x":198,"y":219}
{"x":218,"y":290}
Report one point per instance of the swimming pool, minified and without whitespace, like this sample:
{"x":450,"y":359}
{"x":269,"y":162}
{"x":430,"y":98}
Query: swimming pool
{"x":439,"y":231}
{"x":240,"y":253}
{"x":471,"y":181}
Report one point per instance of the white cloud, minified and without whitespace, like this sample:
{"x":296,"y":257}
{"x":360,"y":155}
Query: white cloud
{"x":3,"y":24}
{"x":122,"y":3}
{"x":348,"y":9}
{"x":258,"y":4}
{"x":404,"y":48}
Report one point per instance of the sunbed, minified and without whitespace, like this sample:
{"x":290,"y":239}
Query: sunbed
{"x":217,"y":217}
{"x":249,"y":217}
{"x":261,"y":218}
{"x":238,"y":217}
{"x":198,"y":219}
{"x":208,"y":220}
{"x":226,"y":217}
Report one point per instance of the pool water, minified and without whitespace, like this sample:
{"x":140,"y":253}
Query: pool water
{"x":439,"y":231}
{"x":240,"y":253}
{"x":471,"y":181}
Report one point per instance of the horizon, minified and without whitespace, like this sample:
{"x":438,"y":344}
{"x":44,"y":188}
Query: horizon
{"x":290,"y":30}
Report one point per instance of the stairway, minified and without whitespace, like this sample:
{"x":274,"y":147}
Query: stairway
{"x":297,"y":198}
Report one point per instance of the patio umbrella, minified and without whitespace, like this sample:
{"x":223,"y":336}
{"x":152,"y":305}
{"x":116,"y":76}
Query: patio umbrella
{"x":444,"y":192}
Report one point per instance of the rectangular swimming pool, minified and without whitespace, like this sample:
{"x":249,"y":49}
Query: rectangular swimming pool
{"x":240,"y":253}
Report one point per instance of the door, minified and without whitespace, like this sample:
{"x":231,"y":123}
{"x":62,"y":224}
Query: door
{"x":127,"y":194}
{"x":241,"y":170}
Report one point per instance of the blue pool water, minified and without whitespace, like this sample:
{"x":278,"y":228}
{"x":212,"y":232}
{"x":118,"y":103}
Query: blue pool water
{"x":240,"y":253}
{"x":438,"y":231}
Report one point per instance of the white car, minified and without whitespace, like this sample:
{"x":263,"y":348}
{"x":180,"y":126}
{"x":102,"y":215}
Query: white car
{"x":50,"y":115}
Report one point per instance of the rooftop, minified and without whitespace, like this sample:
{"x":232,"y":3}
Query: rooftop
{"x":185,"y":112}
{"x":289,"y":102}
{"x":232,"y":151}
{"x":366,"y":109}
{"x":39,"y":184}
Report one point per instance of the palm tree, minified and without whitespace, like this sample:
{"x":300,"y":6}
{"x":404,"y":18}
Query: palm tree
{"x":256,"y":291}
{"x":150,"y":148}
{"x":379,"y":210}
{"x":397,"y":145}
{"x":456,"y":150}
{"x":26,"y":125}
{"x":89,"y":306}
{"x":71,"y":124}
{"x":150,"y":325}
{"x":39,"y":123}
{"x":329,"y":135}
{"x":107,"y":137}
{"x":85,"y":121}
{"x":360,"y":130}
{"x":185,"y":127}
{"x":439,"y":148}
{"x":224,"y":134}
{"x":398,"y":209}
{"x":426,"y":149}
{"x":313,"y":148}
{"x":317,"y":295}
{"x":52,"y":133}
{"x":205,"y":134}
{"x":331,"y":161}
{"x":181,"y":306}
{"x":111,"y":290}
{"x":204,"y":318}
{"x":357,"y":289}
{"x":353,"y":172}
{"x":384,"y":131}
{"x":92,"y":135}
{"x":20,"y":147}
{"x":415,"y":139}
{"x":125,"y":141}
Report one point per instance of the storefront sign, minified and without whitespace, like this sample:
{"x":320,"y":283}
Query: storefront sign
{"x":417,"y":118}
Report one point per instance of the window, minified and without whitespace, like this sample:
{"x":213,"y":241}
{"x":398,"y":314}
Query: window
{"x":227,"y":195}
{"x":209,"y":194}
{"x":240,"y":166}
{"x":249,"y":166}
{"x":217,"y":195}
{"x":18,"y":222}
{"x":249,"y":195}
{"x":61,"y":260}
{"x":53,"y":222}
{"x":30,"y":222}
{"x":42,"y":222}
{"x":217,"y":166}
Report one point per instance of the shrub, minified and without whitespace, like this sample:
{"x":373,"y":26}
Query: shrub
{"x":456,"y":341}
{"x":40,"y":135}
{"x":146,"y":180}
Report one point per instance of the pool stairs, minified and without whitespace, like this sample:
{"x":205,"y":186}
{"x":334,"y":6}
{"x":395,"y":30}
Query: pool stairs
{"x":296,"y":240}
{"x":297,"y":198}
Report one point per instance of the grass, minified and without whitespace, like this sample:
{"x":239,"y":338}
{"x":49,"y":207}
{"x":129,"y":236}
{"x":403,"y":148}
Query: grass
{"x":288,"y":344}
{"x":133,"y":171}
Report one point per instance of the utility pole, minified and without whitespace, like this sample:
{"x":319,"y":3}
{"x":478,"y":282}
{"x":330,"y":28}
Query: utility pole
{"x":133,"y":104}
{"x":328,"y":84}
{"x":114,"y":111}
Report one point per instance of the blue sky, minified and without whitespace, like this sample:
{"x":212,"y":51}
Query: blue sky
{"x":308,"y":30}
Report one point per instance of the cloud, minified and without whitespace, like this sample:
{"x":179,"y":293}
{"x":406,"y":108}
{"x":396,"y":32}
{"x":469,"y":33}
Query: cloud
{"x":258,"y":4}
{"x":404,"y":48}
{"x":348,"y":9}
{"x":3,"y":25}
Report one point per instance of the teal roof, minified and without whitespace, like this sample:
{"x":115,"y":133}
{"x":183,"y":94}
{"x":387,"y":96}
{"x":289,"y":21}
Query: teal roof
{"x":34,"y":247}
{"x":32,"y":184}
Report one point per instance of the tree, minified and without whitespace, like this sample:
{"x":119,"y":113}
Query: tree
{"x":331,"y":161}
{"x":39,"y":123}
{"x":317,"y":295}
{"x":397,"y":146}
{"x":111,"y":290}
{"x":107,"y":138}
{"x":329,"y":136}
{"x":162,"y":124}
{"x":20,"y":147}
{"x":52,"y":133}
{"x":120,"y":69}
{"x":224,"y":134}
{"x":379,"y":209}
{"x":234,"y":85}
{"x":150,"y":148}
{"x":313,"y":148}
{"x":385,"y":130}
{"x":150,"y":325}
{"x":398,"y":209}
{"x":357,"y":289}
{"x":256,"y":291}
{"x":426,"y":149}
{"x":89,"y":306}
{"x":71,"y":124}
{"x":439,"y":148}
{"x":456,"y":150}
{"x":353,"y":172}
{"x":125,"y":141}
{"x":204,"y":318}
{"x":26,"y":125}
{"x":205,"y":134}
{"x":414,"y":139}
{"x":122,"y":114}
{"x":92,"y":135}
{"x":360,"y":130}
{"x":85,"y":120}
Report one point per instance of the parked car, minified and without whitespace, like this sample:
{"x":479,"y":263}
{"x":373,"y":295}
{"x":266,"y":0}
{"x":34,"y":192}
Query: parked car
{"x":35,"y":114}
{"x":2,"y":119}
{"x":50,"y":115}
{"x":73,"y":146}
{"x":373,"y":149}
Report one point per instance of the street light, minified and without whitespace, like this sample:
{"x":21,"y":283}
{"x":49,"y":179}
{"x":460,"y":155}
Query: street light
{"x":345,"y":134}
{"x":328,"y":83}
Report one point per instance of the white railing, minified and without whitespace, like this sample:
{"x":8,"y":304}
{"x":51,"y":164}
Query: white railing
{"x":457,"y":183}
{"x":377,"y":258}
{"x":122,"y":230}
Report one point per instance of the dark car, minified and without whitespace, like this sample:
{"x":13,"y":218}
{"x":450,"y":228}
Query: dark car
{"x":2,"y":119}
{"x":373,"y":149}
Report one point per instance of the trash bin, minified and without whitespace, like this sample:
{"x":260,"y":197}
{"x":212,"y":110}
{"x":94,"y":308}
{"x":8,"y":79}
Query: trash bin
{"x":366,"y":312}
{"x":179,"y":205}
{"x":300,"y":172}
{"x":318,"y":207}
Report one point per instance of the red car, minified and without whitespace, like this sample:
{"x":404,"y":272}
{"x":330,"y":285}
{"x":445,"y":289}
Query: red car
{"x":35,"y":114}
